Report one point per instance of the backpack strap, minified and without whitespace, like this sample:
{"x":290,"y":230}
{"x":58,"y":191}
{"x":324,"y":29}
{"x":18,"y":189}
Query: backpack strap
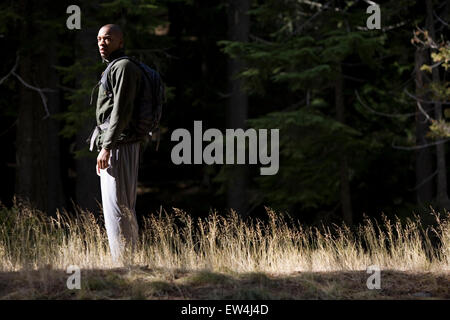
{"x":92,"y":92}
{"x":96,"y":132}
{"x":104,"y":79}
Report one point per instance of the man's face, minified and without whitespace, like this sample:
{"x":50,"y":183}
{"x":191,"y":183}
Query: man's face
{"x":108,"y":42}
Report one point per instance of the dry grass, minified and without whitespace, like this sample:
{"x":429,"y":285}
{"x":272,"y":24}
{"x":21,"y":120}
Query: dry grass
{"x":31,"y":240}
{"x":216,"y":250}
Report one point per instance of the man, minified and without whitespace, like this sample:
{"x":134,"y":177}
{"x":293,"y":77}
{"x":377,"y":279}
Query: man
{"x":118,"y":158}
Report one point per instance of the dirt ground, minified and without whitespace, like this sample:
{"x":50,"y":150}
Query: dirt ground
{"x":146,"y":283}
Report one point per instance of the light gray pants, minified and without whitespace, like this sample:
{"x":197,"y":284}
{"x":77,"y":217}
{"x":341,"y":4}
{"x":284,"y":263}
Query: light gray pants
{"x":118,"y":184}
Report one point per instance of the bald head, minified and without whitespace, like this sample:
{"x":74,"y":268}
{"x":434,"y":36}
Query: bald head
{"x":113,"y":29}
{"x":109,"y":39}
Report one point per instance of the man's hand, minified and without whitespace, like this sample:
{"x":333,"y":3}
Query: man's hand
{"x":102,"y":159}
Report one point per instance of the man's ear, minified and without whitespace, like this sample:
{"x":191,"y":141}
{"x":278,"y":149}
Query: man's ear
{"x":121,"y":44}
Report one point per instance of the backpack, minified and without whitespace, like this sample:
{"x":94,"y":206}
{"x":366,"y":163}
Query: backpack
{"x":148,"y":110}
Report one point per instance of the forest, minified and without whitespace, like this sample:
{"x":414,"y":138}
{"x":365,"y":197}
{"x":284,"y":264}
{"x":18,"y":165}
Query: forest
{"x":355,"y":92}
{"x":353,"y":139}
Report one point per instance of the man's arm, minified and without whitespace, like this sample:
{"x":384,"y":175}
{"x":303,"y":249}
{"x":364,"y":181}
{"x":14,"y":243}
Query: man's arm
{"x":124,"y":81}
{"x":102,"y":160}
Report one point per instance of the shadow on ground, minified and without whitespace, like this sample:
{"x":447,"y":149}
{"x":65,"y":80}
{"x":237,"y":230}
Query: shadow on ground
{"x":145,"y":283}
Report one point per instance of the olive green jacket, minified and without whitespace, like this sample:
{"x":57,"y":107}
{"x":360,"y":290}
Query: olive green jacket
{"x":125,"y":79}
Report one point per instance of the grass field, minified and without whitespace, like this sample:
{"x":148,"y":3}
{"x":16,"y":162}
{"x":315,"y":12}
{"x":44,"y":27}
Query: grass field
{"x":222,"y":257}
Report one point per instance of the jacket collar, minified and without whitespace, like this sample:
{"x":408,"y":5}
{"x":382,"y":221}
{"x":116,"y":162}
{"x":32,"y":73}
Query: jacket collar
{"x":114,"y":55}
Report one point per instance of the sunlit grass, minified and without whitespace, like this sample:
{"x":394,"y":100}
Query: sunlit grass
{"x":31,"y":240}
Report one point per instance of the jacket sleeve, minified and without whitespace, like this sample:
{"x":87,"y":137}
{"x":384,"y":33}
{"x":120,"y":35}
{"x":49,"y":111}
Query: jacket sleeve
{"x":124,"y":82}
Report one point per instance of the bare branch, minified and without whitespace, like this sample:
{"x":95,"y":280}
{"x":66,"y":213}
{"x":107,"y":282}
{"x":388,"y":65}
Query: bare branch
{"x":12,"y":70}
{"x":311,"y":3}
{"x":420,"y":146}
{"x":440,"y":20}
{"x":384,"y":29}
{"x":424,"y":101}
{"x":428,"y":43}
{"x":391,"y":115}
{"x":6,"y":131}
{"x":423,"y":111}
{"x":371,"y":3}
{"x":40,"y":90}
{"x":436,"y":64}
{"x":424,"y":181}
{"x":43,"y":97}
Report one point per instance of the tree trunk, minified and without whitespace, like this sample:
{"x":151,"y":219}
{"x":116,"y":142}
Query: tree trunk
{"x":442,"y":196}
{"x":345,"y":196}
{"x":38,"y":174}
{"x":238,"y":29}
{"x":87,"y":182}
{"x":49,"y":78}
{"x":31,"y":147}
{"x":31,"y":142}
{"x":424,"y":166}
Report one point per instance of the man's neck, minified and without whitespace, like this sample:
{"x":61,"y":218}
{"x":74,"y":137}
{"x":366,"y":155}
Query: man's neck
{"x":114,"y":55}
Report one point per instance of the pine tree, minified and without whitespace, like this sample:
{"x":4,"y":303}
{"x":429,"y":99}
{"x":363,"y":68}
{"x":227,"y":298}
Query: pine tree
{"x":324,"y":141}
